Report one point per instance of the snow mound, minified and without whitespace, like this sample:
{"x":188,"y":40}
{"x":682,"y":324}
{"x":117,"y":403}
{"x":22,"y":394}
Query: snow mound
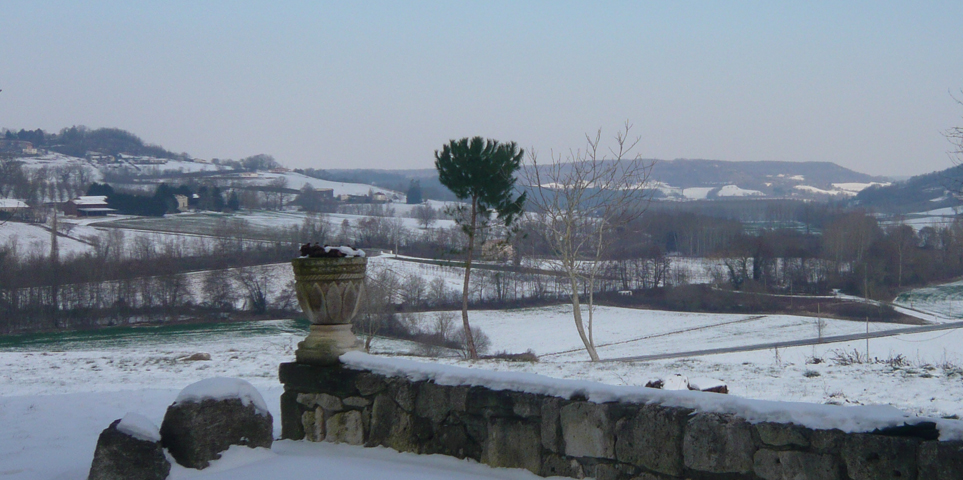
{"x":222,"y":388}
{"x":816,"y":416}
{"x":139,"y":427}
{"x":346,"y":251}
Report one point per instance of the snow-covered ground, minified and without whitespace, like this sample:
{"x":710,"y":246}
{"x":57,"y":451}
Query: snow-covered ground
{"x":943,"y":300}
{"x":60,"y":392}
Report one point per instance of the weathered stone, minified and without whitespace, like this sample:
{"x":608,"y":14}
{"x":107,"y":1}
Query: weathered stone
{"x":291,"y":411}
{"x":526,"y":404}
{"x":512,"y":444}
{"x":551,"y":427}
{"x":782,"y":435}
{"x":827,"y":441}
{"x":718,"y":444}
{"x":587,"y":430}
{"x":390,"y":426}
{"x":453,"y":440}
{"x":611,"y":471}
{"x":333,"y":380}
{"x":329,"y":402}
{"x":309,"y":400}
{"x":403,"y":392}
{"x":789,"y":465}
{"x":432,"y":402}
{"x":312,"y":422}
{"x":344,"y":428}
{"x":558,"y":466}
{"x":370,"y":384}
{"x":652,"y":438}
{"x":488,"y":403}
{"x":878,"y":457}
{"x":196,"y":432}
{"x":120,"y":456}
{"x":458,"y":398}
{"x":941,"y":460}
{"x":356,"y":402}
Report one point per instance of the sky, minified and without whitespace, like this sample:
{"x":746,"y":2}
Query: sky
{"x":374,"y":84}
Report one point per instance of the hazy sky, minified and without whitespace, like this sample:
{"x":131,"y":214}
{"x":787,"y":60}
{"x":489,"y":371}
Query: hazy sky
{"x":383,"y":84}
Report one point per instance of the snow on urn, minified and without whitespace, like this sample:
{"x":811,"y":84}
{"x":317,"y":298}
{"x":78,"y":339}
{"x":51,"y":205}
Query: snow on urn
{"x":330,"y":283}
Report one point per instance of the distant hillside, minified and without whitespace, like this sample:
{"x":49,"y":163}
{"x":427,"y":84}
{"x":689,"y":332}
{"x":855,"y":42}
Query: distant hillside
{"x":685,"y":173}
{"x":921,"y":193}
{"x":76,"y":141}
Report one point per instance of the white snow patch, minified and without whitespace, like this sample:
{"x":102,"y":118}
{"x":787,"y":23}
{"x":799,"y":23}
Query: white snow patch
{"x":139,"y":427}
{"x":223,"y":388}
{"x":821,"y":417}
{"x":735,"y":191}
{"x":855,"y":187}
{"x":346,"y":251}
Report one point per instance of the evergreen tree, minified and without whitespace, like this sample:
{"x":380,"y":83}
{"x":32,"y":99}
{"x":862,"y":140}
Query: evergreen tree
{"x":483,"y":173}
{"x":414,"y":193}
{"x":233,"y":203}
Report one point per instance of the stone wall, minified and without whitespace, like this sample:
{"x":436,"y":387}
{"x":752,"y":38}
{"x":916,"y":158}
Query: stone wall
{"x":574,"y":437}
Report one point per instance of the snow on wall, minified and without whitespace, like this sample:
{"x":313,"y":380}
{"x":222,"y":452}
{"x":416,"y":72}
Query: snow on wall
{"x":816,"y":416}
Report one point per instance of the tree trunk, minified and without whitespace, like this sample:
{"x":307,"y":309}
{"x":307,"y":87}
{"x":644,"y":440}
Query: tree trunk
{"x":469,"y":338}
{"x":577,"y":311}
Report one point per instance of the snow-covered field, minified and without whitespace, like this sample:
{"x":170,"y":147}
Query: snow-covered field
{"x":60,"y":392}
{"x":944,"y":300}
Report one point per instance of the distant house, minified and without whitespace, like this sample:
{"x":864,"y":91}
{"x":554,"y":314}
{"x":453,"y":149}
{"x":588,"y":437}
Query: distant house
{"x":379,"y":197}
{"x":17,"y":147}
{"x":183,"y":203}
{"x":88,"y":206}
{"x":11,"y":207}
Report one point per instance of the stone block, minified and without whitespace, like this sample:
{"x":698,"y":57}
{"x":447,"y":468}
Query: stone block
{"x":587,"y":430}
{"x":312,"y":424}
{"x":488,"y":403}
{"x":344,"y":427}
{"x":329,"y":403}
{"x":458,"y":398}
{"x":550,"y":424}
{"x":941,"y":460}
{"x":122,"y":456}
{"x":718,"y":444}
{"x":390,"y":426}
{"x":403,"y":393}
{"x":291,"y":411}
{"x":558,"y":466}
{"x":196,"y":432}
{"x":432,"y":402}
{"x":526,"y":405}
{"x":652,"y":438}
{"x":333,"y":380}
{"x":827,"y":441}
{"x":356,"y":402}
{"x":512,"y":444}
{"x":369,"y":384}
{"x":876,"y":457}
{"x":790,"y":465}
{"x":782,"y":435}
{"x":453,"y":440}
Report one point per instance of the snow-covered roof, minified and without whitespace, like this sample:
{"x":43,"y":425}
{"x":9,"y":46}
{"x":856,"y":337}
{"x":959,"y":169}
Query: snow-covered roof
{"x":90,"y":200}
{"x":11,"y":203}
{"x":222,"y":388}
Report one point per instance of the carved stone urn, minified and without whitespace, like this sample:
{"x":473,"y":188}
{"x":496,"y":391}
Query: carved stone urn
{"x":329,"y":291}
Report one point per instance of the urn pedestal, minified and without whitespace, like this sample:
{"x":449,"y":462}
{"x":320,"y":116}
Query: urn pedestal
{"x":329,"y":291}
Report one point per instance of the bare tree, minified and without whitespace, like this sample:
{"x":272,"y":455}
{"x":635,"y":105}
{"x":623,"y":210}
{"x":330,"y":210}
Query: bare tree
{"x":425,"y":214}
{"x":582,"y":198}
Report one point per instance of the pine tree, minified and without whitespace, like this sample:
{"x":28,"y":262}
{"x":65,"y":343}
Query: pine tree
{"x":483,"y":173}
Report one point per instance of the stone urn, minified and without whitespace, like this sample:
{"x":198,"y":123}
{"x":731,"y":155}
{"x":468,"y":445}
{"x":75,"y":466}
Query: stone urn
{"x":329,"y":291}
